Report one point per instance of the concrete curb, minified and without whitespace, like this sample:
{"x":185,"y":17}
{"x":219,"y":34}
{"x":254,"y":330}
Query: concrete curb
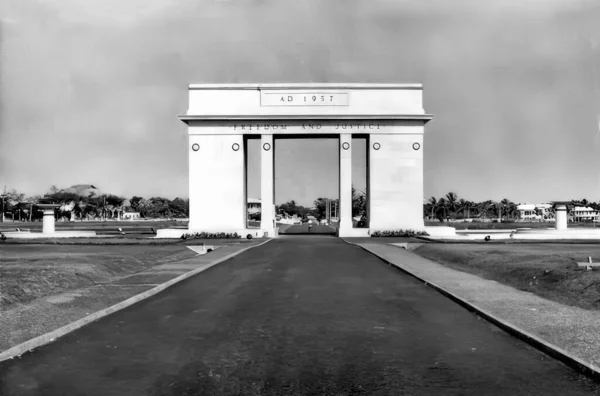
{"x":535,"y":341}
{"x":53,"y":335}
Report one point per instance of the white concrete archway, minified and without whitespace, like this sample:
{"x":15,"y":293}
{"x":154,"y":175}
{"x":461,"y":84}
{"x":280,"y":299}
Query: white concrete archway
{"x":219,"y":116}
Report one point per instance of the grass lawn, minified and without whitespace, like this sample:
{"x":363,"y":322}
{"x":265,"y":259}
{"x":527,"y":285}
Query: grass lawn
{"x":30,"y":270}
{"x":93,"y":225}
{"x":548,"y":270}
{"x":385,"y":240}
{"x":504,"y":226}
{"x":34,"y":271}
{"x":116,"y":240}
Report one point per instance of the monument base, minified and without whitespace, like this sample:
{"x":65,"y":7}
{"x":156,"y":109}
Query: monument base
{"x":270,"y":232}
{"x":352,"y":232}
{"x":177,"y":233}
{"x":440,"y":231}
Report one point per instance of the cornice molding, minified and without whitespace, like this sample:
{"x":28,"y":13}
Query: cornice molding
{"x":304,"y":86}
{"x":354,"y":117}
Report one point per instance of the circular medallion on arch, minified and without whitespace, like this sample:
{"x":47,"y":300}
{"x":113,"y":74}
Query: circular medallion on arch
{"x":376,"y":146}
{"x":235,"y":147}
{"x":266,"y":146}
{"x":345,"y":145}
{"x":416,"y":146}
{"x":195,"y":147}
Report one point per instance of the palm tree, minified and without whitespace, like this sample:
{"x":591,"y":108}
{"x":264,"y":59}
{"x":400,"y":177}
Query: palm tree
{"x":486,"y":208}
{"x":465,"y":206}
{"x":496,"y":210}
{"x":504,"y":206}
{"x":443,"y":204}
{"x":510,"y":208}
{"x":433,"y":204}
{"x":470,"y":205}
{"x":474,"y":209}
{"x":451,"y":199}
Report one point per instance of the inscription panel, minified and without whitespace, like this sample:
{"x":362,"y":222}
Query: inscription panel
{"x":279,"y":98}
{"x":306,"y":127}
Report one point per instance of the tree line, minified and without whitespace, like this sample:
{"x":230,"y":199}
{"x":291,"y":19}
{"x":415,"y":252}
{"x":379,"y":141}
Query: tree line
{"x":89,"y":205}
{"x":319,"y":208}
{"x":93,"y":206}
{"x":452,"y":207}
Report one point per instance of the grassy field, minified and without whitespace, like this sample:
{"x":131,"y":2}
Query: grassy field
{"x":548,"y":270}
{"x":131,"y":228}
{"x":83,"y":225}
{"x":120,"y":240}
{"x":504,"y":226}
{"x":33,"y":270}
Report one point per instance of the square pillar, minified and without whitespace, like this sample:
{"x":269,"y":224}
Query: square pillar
{"x":345,"y":217}
{"x":396,"y":181}
{"x":267,"y":215}
{"x":216,"y":177}
{"x":48,"y":221}
{"x":561,"y":217}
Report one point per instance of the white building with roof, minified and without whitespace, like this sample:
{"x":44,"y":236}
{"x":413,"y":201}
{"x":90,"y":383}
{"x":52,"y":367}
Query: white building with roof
{"x":253,"y":205}
{"x":535,"y":212}
{"x":130,"y":215}
{"x":583,"y":213}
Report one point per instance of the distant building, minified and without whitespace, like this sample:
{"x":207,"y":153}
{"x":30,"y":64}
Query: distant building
{"x":535,"y":212}
{"x":543,"y":212}
{"x":131,"y":215}
{"x":585,"y":213}
{"x":285,"y":219}
{"x":253,"y":206}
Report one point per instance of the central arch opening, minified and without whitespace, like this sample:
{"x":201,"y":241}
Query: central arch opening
{"x":307,"y":184}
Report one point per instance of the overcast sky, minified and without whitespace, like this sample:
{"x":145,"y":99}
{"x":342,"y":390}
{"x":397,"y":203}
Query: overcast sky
{"x":91,"y":89}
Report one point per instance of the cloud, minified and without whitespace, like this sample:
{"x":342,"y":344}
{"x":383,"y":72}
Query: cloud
{"x":106,"y":12}
{"x":97,"y":86}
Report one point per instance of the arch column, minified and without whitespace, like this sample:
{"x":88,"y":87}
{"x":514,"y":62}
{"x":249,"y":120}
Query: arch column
{"x":267,"y":193}
{"x":345,"y":221}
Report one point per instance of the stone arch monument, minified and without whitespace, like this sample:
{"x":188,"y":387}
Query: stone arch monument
{"x":221,"y":117}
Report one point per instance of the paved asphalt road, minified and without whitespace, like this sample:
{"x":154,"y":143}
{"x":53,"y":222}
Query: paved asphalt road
{"x":297,"y":316}
{"x":304,"y":229}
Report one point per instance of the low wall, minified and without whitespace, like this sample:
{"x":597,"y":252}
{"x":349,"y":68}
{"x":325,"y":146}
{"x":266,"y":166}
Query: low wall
{"x":440,"y":231}
{"x":176,"y":233}
{"x":56,"y":234}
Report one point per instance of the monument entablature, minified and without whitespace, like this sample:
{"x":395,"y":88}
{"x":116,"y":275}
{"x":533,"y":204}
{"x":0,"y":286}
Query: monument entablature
{"x":221,"y":117}
{"x":291,"y":126}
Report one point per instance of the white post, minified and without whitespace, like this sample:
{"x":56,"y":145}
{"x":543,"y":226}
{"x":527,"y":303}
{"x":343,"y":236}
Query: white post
{"x":345,"y":220}
{"x":561,"y":217}
{"x":48,"y":221}
{"x":267,"y":218}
